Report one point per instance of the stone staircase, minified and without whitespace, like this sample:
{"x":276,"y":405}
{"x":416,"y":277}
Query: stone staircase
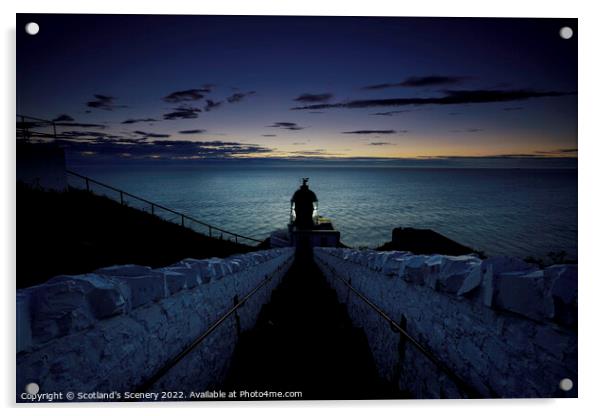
{"x":304,"y":341}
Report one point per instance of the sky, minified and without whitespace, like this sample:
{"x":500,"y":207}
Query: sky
{"x":185,"y":88}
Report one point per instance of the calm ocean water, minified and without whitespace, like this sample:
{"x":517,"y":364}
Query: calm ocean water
{"x":500,"y":211}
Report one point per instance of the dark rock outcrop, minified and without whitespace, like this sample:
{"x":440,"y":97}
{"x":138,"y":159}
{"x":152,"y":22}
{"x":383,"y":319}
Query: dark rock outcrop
{"x":424,"y":241}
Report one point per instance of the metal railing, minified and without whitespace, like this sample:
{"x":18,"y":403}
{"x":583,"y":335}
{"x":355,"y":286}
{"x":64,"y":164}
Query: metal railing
{"x":464,"y":386}
{"x":35,"y":128}
{"x":154,"y":208}
{"x":145,"y":386}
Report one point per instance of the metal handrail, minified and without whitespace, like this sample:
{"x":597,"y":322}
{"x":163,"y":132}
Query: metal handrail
{"x":28,"y":125}
{"x":154,"y":205}
{"x":27,"y":132}
{"x":171,"y":363}
{"x":23,"y":117}
{"x":470,"y":391}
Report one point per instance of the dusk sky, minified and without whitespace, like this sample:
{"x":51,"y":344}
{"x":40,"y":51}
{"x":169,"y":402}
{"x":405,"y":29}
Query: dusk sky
{"x":189,"y":87}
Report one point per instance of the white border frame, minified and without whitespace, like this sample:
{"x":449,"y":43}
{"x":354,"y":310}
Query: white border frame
{"x":590,"y":198}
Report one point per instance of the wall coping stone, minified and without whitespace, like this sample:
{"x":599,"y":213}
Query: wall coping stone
{"x":68,"y":304}
{"x":502,"y":283}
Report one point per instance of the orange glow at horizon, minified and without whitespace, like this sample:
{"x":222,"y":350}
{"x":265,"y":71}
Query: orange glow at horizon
{"x":424,"y":147}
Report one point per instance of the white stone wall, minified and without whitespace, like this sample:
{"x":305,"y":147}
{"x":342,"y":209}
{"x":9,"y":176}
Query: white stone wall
{"x":504,"y":326}
{"x":112,"y":329}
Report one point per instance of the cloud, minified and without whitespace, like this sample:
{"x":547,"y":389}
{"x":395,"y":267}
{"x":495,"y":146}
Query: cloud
{"x":381,"y":144}
{"x":269,"y":135}
{"x":314,"y":98}
{"x":211,"y":105}
{"x":104,"y":102}
{"x":534,"y":155}
{"x":390,"y":113}
{"x":413,"y":82}
{"x":83,"y":135}
{"x":193,"y":94}
{"x":369,"y":132}
{"x":152,"y":135}
{"x":470,"y":130}
{"x":196,"y":131}
{"x":557,"y":151}
{"x":513,"y":108}
{"x":449,"y":97}
{"x":138,"y":120}
{"x":160,"y":149}
{"x":91,"y":125}
{"x":64,"y":117}
{"x":239,"y":96}
{"x":287,"y":125}
{"x":212,"y":143}
{"x":311,"y":153}
{"x":182,"y":113}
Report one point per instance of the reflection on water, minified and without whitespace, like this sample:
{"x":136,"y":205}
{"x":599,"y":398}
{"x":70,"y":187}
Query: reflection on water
{"x":516,"y":212}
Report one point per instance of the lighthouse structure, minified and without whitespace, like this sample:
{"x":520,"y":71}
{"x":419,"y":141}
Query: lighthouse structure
{"x":306,"y":228}
{"x":304,"y":207}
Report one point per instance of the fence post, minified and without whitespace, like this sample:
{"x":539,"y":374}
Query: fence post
{"x":87,"y":185}
{"x":121,"y":197}
{"x":182,"y":220}
{"x":209,"y":231}
{"x":153,"y":209}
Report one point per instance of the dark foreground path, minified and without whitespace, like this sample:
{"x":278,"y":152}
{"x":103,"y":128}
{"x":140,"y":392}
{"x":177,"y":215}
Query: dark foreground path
{"x":304,"y":341}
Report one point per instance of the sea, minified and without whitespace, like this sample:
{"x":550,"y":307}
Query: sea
{"x":518,"y":212}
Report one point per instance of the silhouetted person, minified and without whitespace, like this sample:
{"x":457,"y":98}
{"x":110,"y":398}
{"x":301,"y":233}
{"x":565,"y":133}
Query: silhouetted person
{"x":303,"y":200}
